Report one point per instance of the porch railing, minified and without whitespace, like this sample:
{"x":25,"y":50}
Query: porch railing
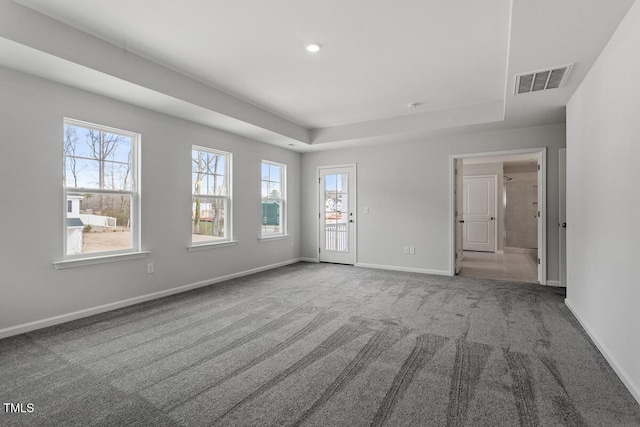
{"x":336,"y":237}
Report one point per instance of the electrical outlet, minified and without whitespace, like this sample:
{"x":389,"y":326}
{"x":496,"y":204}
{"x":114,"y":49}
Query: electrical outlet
{"x":366,"y":209}
{"x":412,"y":250}
{"x":406,"y":249}
{"x":150,"y":268}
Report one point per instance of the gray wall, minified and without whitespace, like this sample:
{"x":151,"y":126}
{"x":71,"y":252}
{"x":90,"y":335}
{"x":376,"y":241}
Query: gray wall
{"x":406,"y":187}
{"x":519,"y":167}
{"x":603,"y":134}
{"x":522,"y":210}
{"x":31,"y":209}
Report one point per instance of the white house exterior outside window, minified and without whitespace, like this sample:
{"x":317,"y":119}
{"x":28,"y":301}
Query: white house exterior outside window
{"x":273,"y":199}
{"x":211,"y":196}
{"x":101,"y":191}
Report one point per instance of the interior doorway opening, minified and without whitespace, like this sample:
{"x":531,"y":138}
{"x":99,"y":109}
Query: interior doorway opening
{"x":499,"y":215}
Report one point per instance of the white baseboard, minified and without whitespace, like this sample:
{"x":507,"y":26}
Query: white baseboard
{"x":39,"y":324}
{"x":407,"y":269}
{"x":555,"y":283}
{"x":309,"y":260}
{"x":633,"y":388}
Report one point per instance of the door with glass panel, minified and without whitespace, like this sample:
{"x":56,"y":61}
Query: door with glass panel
{"x":337,"y":214}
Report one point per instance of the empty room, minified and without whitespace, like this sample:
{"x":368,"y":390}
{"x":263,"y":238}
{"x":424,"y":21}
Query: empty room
{"x":345,"y":213}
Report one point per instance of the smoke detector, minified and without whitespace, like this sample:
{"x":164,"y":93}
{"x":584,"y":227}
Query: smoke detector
{"x":550,"y":78}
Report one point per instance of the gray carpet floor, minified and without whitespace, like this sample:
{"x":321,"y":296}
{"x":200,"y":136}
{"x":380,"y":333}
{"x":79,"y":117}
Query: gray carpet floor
{"x":321,"y":345}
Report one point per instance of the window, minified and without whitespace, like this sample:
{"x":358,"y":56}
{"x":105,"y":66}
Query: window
{"x":211,"y":197}
{"x":100,"y":190}
{"x":273,"y":199}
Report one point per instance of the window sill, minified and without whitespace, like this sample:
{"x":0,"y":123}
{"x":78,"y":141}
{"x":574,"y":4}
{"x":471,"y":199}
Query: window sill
{"x":81,"y":262}
{"x":276,"y":237}
{"x":204,"y":246}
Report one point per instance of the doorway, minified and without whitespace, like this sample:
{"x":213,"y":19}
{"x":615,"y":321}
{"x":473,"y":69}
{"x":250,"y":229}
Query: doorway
{"x":337,"y":216}
{"x":519,"y":219}
{"x":562,"y":213}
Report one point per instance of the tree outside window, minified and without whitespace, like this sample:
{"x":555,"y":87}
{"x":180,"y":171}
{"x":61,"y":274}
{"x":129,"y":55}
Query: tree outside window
{"x":210,"y":180}
{"x":101,"y":198}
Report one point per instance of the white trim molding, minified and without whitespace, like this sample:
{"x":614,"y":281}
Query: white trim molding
{"x":555,"y":284}
{"x":633,"y":388}
{"x":205,"y":246}
{"x":63,"y":318}
{"x":406,"y":269}
{"x":274,"y":238}
{"x":102,"y":259}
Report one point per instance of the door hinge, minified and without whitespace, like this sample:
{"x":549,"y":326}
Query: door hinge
{"x":318,"y":250}
{"x":538,"y":167}
{"x":455,"y":171}
{"x":456,"y":255}
{"x":318,"y":181}
{"x":538,"y":261}
{"x":538,"y":214}
{"x":319,"y":215}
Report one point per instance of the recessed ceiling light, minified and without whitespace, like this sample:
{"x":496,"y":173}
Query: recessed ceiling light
{"x":413,"y":105}
{"x":292,"y":145}
{"x":313,"y":47}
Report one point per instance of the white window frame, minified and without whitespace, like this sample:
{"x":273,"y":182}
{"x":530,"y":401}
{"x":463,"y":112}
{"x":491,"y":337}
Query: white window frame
{"x":135,"y":218}
{"x":282,"y":199}
{"x":228,"y":211}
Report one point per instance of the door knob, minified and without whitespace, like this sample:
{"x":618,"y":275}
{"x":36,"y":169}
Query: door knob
{"x":492,"y":218}
{"x":461,"y":221}
{"x":564,"y":225}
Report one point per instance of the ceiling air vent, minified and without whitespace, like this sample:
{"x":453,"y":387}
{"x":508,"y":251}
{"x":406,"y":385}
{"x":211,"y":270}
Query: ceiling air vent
{"x":551,"y":78}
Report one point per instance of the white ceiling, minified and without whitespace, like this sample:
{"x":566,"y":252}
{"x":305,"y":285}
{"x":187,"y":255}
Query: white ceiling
{"x":241,"y":66}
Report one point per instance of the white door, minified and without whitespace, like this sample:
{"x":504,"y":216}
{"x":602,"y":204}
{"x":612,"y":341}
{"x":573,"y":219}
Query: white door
{"x":479,"y":205}
{"x":337,"y":214}
{"x":459,"y":215}
{"x":562,"y":225}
